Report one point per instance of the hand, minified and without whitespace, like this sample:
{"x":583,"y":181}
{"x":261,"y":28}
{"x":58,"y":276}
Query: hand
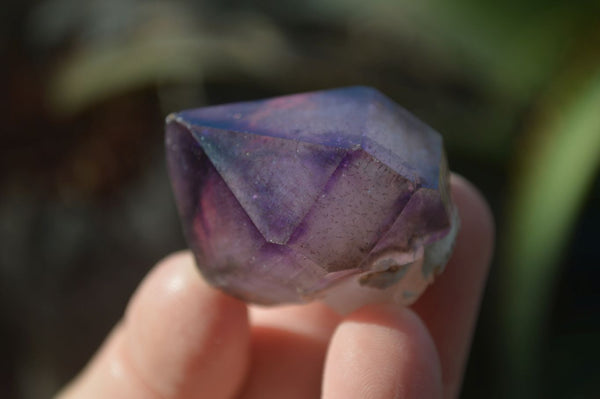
{"x":181,"y":338}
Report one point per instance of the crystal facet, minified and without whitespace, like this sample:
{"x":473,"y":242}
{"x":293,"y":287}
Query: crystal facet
{"x":340,"y":195}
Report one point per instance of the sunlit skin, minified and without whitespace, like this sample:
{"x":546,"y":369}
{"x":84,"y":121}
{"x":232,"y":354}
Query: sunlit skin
{"x":180,"y":338}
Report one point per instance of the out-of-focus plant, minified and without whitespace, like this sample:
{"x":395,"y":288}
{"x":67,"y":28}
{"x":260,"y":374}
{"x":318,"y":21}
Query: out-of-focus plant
{"x":509,"y":47}
{"x":556,"y":167}
{"x":155,"y":43}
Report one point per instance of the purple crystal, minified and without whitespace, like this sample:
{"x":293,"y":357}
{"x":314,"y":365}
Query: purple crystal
{"x":338,"y":194}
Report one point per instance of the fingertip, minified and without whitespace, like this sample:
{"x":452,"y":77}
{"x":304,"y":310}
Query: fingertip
{"x":381,"y":351}
{"x":183,"y":336}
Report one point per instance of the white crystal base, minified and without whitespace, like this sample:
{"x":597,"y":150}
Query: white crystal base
{"x":419,"y":269}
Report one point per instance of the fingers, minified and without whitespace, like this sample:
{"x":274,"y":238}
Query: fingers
{"x":449,"y":307}
{"x":382,"y":352}
{"x":180,"y":339}
{"x":288,"y":351}
{"x":284,"y":365}
{"x":315,"y":319}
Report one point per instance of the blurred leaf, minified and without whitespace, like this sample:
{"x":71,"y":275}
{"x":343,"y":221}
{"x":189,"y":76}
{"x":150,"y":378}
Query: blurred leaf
{"x":510,"y":47}
{"x":557,"y":167}
{"x":97,"y":74}
{"x":51,"y":22}
{"x":169,"y":50}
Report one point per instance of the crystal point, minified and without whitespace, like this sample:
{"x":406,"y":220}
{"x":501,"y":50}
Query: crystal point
{"x":340,"y":195}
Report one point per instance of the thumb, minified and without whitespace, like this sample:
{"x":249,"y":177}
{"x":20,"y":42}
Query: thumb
{"x":179,"y":339}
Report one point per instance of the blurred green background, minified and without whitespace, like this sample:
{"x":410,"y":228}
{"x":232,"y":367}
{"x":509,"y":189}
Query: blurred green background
{"x":86,"y":208}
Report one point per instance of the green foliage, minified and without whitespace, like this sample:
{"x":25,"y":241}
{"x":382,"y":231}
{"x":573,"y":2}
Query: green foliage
{"x":557,"y":167}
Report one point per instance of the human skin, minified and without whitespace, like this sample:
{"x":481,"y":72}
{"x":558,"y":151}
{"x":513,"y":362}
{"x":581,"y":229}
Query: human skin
{"x":180,"y":338}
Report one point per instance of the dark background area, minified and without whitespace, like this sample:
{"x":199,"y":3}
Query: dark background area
{"x":86,"y":207}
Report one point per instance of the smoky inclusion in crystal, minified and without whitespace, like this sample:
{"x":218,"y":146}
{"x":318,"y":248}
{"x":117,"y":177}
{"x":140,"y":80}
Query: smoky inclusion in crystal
{"x":339,"y":195}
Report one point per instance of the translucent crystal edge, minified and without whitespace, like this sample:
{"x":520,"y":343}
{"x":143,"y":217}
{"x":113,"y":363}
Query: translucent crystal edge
{"x":349,"y":294}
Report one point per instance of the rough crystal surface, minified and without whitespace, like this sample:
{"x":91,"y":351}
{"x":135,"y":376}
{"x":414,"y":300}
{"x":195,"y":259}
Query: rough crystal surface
{"x":340,"y":195}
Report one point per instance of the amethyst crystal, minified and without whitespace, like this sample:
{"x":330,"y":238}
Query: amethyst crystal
{"x":340,"y":195}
